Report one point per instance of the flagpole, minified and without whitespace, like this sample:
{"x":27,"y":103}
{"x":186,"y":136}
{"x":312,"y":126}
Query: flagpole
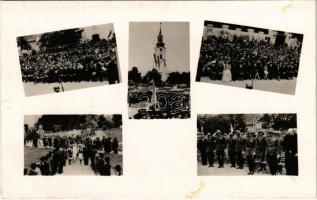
{"x":62,"y":86}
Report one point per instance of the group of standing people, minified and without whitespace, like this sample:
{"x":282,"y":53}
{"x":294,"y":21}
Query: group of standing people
{"x":68,"y":150}
{"x":258,"y":149}
{"x":241,"y":59}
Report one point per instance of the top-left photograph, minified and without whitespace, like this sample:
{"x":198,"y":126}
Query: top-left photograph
{"x":68,"y":59}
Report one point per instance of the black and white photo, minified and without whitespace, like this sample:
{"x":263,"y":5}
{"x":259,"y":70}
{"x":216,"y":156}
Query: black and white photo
{"x":73,"y":145}
{"x":68,"y":59}
{"x":159,"y":77}
{"x":249,"y":57}
{"x":247,"y":144}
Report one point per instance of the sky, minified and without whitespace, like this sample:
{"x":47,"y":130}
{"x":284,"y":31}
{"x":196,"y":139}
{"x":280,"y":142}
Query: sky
{"x":30,"y":120}
{"x":142,"y":40}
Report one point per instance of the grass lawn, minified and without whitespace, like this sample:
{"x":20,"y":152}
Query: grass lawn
{"x":115,"y":159}
{"x":33,"y":155}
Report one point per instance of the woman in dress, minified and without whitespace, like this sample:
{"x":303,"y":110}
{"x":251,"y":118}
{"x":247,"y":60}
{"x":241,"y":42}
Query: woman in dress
{"x":75,"y":152}
{"x":226,"y":76}
{"x":80,"y":155}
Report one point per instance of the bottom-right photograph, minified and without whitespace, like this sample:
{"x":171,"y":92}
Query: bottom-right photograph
{"x":247,"y":144}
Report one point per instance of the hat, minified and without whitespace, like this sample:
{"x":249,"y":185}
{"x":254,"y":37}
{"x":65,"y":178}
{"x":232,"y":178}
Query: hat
{"x":237,"y":131}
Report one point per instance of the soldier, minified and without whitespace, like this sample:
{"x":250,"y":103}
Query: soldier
{"x":220,"y":148}
{"x":210,"y":142}
{"x":201,"y":145}
{"x":260,"y":146}
{"x":250,"y":144}
{"x":231,"y":150}
{"x":272,"y":152}
{"x":290,"y":146}
{"x":238,"y":149}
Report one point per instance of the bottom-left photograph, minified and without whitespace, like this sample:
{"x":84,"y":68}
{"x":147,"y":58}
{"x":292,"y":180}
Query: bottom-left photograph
{"x":57,"y":145}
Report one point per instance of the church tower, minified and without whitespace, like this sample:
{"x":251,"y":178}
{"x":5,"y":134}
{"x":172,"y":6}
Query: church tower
{"x":160,"y":55}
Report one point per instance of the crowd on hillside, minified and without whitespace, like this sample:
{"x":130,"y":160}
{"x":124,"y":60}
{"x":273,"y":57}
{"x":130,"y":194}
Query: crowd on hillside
{"x":241,"y":59}
{"x":68,"y":150}
{"x":87,"y":61}
{"x":275,"y":149}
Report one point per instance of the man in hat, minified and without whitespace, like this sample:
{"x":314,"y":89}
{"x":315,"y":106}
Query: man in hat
{"x":202,"y":147}
{"x":250,"y":144}
{"x":210,"y":149}
{"x":220,"y":148}
{"x":272,"y":152}
{"x":260,"y":146}
{"x":231,"y":141}
{"x":239,"y":148}
{"x":290,"y":147}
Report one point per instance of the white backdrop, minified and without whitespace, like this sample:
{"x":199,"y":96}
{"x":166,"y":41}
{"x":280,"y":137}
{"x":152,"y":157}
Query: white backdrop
{"x":159,"y":156}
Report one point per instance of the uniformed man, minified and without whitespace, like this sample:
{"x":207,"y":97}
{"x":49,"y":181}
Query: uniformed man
{"x":220,"y":148}
{"x":260,"y":146}
{"x":210,"y":149}
{"x":231,"y":141}
{"x":250,"y":145}
{"x":239,"y":148}
{"x":272,"y":152}
{"x":201,"y":145}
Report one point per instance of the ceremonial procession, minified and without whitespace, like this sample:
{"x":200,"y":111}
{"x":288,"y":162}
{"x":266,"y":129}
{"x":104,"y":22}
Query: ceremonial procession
{"x":73,"y":145}
{"x":247,"y":144}
{"x":249,"y":57}
{"x":159,"y":77}
{"x":68,"y":59}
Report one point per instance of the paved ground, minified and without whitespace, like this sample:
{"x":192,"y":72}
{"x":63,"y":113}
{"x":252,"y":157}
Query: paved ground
{"x":77,"y":169}
{"x":32,"y":89}
{"x":204,"y":170}
{"x":282,"y":86}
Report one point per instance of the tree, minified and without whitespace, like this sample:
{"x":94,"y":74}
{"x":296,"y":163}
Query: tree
{"x":185,"y":77}
{"x":178,"y":78}
{"x":117,"y":120}
{"x":60,"y":39}
{"x":212,"y":123}
{"x":174,"y":78}
{"x":154,"y":76}
{"x":279,"y":121}
{"x":23,"y":44}
{"x":134,"y":75}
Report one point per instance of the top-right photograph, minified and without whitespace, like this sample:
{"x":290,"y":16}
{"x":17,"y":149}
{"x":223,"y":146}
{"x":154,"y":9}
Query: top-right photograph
{"x":249,"y":57}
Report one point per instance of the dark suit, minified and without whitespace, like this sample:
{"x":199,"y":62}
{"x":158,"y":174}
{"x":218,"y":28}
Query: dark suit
{"x":291,"y":161}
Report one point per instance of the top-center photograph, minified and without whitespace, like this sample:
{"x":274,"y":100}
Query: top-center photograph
{"x":159,"y":71}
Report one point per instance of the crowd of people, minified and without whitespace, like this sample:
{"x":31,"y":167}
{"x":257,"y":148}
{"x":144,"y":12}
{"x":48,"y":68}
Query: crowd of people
{"x":241,"y":59}
{"x":275,"y":149}
{"x":87,"y":61}
{"x":68,"y":150}
{"x":168,"y":105}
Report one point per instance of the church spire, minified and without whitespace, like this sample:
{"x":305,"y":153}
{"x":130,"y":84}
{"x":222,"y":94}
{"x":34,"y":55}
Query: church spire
{"x":160,"y":42}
